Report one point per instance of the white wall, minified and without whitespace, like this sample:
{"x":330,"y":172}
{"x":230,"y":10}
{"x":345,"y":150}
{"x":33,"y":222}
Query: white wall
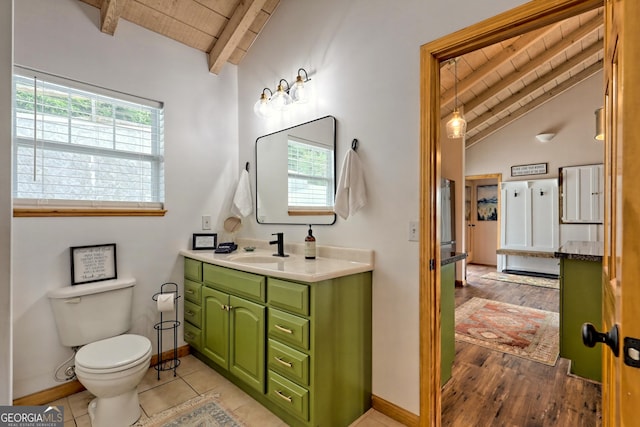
{"x":201,"y":168}
{"x":363,"y":57}
{"x":6,"y":59}
{"x":570,"y":116}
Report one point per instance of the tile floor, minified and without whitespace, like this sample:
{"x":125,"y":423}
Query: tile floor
{"x":195,"y":378}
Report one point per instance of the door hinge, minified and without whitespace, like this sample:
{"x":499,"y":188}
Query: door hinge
{"x":432,"y":264}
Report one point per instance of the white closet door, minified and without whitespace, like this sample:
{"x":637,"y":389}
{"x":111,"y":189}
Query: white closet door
{"x":513,"y":217}
{"x":544,"y":214}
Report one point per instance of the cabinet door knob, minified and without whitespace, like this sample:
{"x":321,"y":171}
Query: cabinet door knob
{"x":590,"y":337}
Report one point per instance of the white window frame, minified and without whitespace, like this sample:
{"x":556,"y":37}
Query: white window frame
{"x":154,"y":203}
{"x":327,"y":178}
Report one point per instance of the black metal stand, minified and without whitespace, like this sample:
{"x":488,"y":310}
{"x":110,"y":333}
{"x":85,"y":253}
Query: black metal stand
{"x":168,"y":325}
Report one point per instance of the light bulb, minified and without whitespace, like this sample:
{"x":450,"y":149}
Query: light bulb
{"x":456,"y":126}
{"x":262,"y":108}
{"x":299,"y":93}
{"x":280,"y":100}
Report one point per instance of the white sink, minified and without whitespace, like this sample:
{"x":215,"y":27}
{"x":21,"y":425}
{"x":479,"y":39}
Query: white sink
{"x":257,"y":259}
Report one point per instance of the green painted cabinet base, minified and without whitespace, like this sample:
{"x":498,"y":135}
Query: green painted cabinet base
{"x":447,"y":320}
{"x":314,"y":338}
{"x":580,"y":302}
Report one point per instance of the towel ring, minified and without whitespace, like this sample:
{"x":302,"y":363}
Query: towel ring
{"x":354,"y":144}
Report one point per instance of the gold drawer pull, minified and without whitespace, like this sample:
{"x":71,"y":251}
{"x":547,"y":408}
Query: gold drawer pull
{"x":287,"y":398}
{"x":189,"y":291}
{"x":190,"y":313}
{"x":285,"y":330}
{"x":189,"y":335}
{"x":285,"y":363}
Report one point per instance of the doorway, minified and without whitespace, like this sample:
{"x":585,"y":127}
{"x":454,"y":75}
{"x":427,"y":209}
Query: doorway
{"x":520,"y":20}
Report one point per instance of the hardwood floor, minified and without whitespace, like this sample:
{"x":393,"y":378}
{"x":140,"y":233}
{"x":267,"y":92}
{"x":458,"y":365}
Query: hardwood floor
{"x":491,"y":388}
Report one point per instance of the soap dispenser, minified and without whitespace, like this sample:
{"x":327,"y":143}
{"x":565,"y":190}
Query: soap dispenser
{"x":310,"y":245}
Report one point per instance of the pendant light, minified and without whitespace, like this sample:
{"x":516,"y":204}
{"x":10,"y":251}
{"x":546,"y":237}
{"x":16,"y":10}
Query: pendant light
{"x":457,"y":125}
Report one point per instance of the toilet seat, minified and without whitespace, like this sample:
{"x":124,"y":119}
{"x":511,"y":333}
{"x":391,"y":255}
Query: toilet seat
{"x":113,"y":354}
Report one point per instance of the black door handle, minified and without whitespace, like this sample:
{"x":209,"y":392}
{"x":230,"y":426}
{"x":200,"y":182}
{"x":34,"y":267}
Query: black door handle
{"x":590,"y":337}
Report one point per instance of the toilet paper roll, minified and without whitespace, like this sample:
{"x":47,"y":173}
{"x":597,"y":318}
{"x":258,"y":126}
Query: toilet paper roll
{"x":165,"y":302}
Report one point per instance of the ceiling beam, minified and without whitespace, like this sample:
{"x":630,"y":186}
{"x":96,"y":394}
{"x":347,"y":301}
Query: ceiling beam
{"x":514,"y":49}
{"x":496,"y":110}
{"x":536,"y":62}
{"x":110,"y":12}
{"x":238,"y":24}
{"x":564,"y":86}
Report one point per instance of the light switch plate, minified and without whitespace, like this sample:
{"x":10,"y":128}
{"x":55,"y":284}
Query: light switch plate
{"x":206,"y":222}
{"x":414,"y":231}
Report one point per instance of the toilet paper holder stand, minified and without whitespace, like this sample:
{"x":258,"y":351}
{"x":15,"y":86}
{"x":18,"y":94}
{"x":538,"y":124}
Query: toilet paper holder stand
{"x":171,"y":362}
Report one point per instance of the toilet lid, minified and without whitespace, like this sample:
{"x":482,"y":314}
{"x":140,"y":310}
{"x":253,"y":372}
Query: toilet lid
{"x":114,"y":352}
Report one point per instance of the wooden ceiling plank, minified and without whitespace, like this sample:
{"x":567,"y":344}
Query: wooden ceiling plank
{"x":110,"y":12}
{"x":187,"y":13}
{"x":505,"y":55}
{"x":531,"y":66}
{"x":239,"y":23}
{"x":566,"y":85}
{"x":534,"y":86}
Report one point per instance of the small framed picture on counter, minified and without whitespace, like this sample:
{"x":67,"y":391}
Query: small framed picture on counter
{"x":204,"y":241}
{"x":93,"y":263}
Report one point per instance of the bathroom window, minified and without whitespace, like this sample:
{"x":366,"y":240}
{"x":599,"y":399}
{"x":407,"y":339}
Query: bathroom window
{"x":310,"y":177}
{"x":80,"y":146}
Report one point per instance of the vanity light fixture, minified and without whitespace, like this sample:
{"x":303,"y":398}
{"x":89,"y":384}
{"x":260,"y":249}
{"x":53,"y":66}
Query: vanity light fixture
{"x":457,"y":125}
{"x":281,"y":100}
{"x":262,"y":107}
{"x":599,"y":124}
{"x":299,"y":93}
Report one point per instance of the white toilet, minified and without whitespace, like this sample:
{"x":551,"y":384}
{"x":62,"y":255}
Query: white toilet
{"x":111,"y":363}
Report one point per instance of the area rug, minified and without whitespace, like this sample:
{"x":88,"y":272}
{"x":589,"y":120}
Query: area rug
{"x":513,"y":329}
{"x":523,"y":280}
{"x":201,"y":411}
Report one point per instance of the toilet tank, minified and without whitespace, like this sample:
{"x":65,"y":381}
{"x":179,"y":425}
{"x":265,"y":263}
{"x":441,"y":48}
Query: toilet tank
{"x":93,"y":311}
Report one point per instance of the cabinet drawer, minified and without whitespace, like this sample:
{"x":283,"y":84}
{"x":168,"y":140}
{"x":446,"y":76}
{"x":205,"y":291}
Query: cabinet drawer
{"x":235,"y":282}
{"x":192,"y":291}
{"x":288,"y":395}
{"x":293,"y":297}
{"x":289,"y":328}
{"x":288,"y":362}
{"x":192,"y":335}
{"x":193,"y":269}
{"x":192,"y":314}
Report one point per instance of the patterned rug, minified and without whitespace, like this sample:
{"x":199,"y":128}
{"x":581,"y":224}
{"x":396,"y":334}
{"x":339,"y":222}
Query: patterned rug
{"x":513,"y":329}
{"x":523,"y":280}
{"x":201,"y":411}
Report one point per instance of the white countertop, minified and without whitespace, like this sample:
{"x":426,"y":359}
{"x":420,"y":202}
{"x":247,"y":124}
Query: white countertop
{"x":334,"y":262}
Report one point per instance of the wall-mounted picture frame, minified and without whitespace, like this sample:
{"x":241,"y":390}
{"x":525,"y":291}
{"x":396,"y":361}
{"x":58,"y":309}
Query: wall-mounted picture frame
{"x":202,"y":241}
{"x":93,"y":263}
{"x":487,"y":202}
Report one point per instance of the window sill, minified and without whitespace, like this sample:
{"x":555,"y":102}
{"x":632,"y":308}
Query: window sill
{"x":77,"y":212}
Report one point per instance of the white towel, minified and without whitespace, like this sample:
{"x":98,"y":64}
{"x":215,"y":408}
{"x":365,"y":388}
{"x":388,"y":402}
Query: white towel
{"x":351,"y":194}
{"x":242,"y":201}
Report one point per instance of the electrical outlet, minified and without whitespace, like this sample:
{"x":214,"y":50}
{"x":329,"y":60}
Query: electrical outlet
{"x":206,"y":222}
{"x":413,"y":231}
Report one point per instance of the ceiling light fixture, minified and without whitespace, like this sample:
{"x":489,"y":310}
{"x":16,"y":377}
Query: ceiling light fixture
{"x":457,"y":125}
{"x":545,"y":137}
{"x":599,"y":136}
{"x":262,"y":108}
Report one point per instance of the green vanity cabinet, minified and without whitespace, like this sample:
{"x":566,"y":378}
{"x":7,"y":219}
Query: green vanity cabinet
{"x":447,"y":320}
{"x":233,"y":333}
{"x":580,"y":302}
{"x":303,"y":350}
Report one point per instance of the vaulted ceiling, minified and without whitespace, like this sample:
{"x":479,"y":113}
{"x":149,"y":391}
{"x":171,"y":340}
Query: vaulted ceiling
{"x":496,"y":85}
{"x":503,"y":82}
{"x":223,"y":29}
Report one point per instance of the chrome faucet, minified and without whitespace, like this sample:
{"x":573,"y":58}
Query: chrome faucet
{"x":280,"y":243}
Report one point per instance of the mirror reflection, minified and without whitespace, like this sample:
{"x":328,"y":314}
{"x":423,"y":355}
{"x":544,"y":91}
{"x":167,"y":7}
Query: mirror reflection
{"x":295,"y":174}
